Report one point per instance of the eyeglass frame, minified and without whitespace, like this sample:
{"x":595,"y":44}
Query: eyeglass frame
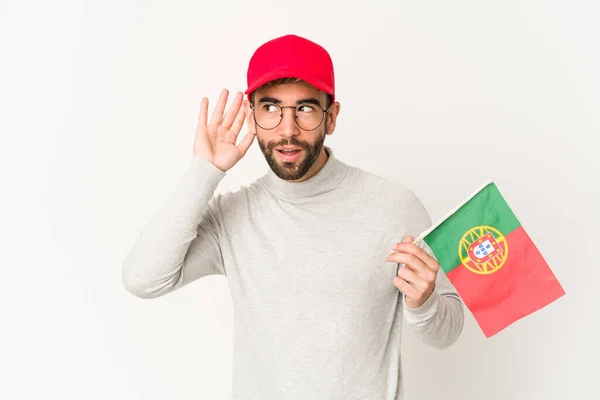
{"x":325,"y":111}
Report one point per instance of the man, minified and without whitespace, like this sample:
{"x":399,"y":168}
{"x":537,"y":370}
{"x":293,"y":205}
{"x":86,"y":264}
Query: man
{"x":318,"y":254}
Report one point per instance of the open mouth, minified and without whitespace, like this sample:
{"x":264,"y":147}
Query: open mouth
{"x":289,"y":155}
{"x":289,"y":151}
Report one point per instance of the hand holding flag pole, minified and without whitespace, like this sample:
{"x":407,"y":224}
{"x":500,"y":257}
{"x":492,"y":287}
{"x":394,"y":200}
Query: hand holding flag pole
{"x":416,"y":279}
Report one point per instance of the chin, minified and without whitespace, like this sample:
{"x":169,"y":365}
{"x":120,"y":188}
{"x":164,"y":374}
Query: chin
{"x":289,"y":171}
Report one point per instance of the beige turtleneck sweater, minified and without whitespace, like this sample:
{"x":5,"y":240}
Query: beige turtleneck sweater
{"x":316,"y":315}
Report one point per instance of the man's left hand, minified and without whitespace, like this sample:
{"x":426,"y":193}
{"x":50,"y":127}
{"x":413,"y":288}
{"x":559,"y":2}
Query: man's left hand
{"x":416,"y":279}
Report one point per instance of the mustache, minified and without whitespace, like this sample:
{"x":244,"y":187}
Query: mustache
{"x":293,"y":142}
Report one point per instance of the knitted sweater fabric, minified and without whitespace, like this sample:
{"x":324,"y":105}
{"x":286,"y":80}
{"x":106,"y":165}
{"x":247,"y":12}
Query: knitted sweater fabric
{"x":315,"y":312}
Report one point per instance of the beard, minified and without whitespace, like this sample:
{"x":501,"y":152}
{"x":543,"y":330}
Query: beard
{"x":291,"y":171}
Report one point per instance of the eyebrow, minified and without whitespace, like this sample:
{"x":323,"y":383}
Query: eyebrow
{"x":310,"y":100}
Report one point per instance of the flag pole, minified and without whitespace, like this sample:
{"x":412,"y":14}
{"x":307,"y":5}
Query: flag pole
{"x":455,"y":209}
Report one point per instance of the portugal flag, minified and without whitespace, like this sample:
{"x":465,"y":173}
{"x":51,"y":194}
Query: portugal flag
{"x":491,"y":261}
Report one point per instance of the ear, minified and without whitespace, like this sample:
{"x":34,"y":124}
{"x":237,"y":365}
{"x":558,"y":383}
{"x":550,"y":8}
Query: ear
{"x":333,"y":112}
{"x":250,"y":117}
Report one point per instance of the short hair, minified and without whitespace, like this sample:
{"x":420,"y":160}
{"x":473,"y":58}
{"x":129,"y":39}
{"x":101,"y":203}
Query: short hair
{"x":290,"y":80}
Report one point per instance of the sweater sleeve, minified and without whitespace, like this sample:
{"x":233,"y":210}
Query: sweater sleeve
{"x":180,"y":243}
{"x":439,"y":321}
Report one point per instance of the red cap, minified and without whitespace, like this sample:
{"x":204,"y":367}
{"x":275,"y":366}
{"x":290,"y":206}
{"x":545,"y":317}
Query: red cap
{"x":295,"y":57}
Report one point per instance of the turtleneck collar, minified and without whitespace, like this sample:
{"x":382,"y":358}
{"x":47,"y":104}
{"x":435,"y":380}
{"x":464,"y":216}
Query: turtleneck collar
{"x":327,"y":179}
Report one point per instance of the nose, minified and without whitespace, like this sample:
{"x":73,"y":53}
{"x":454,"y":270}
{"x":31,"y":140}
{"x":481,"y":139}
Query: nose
{"x":287,"y":126}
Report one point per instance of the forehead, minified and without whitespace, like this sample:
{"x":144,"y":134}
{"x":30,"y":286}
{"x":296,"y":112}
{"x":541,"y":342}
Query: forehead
{"x":289,"y":93}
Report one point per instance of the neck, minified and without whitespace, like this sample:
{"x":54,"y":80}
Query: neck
{"x":324,"y":176}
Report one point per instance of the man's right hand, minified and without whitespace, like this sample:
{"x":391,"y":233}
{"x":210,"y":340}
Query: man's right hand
{"x":215,"y":142}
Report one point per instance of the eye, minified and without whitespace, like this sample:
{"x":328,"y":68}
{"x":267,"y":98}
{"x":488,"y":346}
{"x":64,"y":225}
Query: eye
{"x":306,"y":108}
{"x":269,"y":107}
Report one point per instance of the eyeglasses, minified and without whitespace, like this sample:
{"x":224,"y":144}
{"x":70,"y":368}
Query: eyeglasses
{"x":308,"y":116}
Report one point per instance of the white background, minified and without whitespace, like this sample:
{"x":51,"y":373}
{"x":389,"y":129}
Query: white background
{"x":98,"y":107}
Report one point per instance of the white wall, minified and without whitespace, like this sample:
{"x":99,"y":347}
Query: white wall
{"x":98,"y":108}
